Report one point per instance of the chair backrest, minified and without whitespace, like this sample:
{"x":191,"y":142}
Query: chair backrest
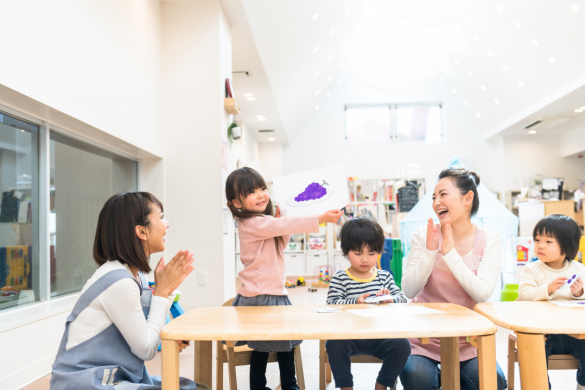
{"x":228,"y":302}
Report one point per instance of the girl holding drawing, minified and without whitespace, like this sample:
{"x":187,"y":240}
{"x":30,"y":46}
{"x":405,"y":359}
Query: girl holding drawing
{"x":453,"y":262}
{"x":263,"y":236}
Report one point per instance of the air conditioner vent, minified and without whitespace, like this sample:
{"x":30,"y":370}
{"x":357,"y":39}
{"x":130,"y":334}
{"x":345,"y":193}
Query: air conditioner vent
{"x":266,"y":131}
{"x":528,"y":126}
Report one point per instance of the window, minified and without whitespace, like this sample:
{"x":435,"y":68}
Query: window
{"x":48,"y":216}
{"x":393,"y":123}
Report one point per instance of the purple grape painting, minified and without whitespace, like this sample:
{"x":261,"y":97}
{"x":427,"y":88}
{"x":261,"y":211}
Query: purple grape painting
{"x":313,"y":191}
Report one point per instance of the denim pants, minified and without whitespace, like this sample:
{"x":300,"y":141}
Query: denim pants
{"x":561,"y":344}
{"x":422,"y":373}
{"x":392,"y":352}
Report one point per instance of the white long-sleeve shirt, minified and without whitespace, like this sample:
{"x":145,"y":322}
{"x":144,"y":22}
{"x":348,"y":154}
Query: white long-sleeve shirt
{"x":537,"y":275}
{"x":120,"y":305}
{"x":421,"y":261}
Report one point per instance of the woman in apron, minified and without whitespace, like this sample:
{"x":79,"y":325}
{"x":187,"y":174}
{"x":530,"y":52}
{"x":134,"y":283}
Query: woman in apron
{"x":115,"y":325}
{"x":453,"y":262}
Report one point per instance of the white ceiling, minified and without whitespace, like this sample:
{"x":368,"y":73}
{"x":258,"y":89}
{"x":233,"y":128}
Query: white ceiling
{"x":502,"y":64}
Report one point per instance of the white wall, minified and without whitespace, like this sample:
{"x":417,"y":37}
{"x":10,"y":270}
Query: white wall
{"x":271,"y":153}
{"x":573,"y":142}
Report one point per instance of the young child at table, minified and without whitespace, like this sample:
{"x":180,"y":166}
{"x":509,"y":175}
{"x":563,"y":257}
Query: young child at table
{"x":362,"y":242}
{"x":263,"y":237}
{"x":556,"y":243}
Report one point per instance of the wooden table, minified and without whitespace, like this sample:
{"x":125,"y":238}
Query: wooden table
{"x":531,"y":321}
{"x":304,"y":323}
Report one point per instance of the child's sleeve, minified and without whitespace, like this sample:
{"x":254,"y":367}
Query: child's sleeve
{"x":418,"y":266}
{"x":261,"y":228}
{"x":395,"y":292}
{"x":580,"y":270}
{"x":529,"y":290}
{"x":337,"y":294}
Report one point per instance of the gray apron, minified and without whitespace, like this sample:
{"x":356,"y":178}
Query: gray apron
{"x":105,"y":361}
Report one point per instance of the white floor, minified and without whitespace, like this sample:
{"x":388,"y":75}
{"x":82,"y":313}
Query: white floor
{"x":364,"y":374}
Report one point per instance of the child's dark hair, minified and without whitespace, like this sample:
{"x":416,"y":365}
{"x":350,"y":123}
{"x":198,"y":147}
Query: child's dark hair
{"x":115,"y":236}
{"x":241,"y":183}
{"x":563,"y":229}
{"x":359,"y":232}
{"x":466,"y":181}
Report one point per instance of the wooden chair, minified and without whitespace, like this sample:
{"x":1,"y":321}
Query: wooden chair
{"x":555,"y":362}
{"x":325,"y":368}
{"x":240,"y":356}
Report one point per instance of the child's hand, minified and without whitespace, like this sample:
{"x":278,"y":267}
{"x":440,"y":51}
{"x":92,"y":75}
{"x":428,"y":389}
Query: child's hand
{"x":362,"y":298}
{"x":277,"y":215}
{"x":558,"y":283}
{"x":330,"y":216}
{"x":183,"y":344}
{"x":577,"y":287}
{"x":432,"y":236}
{"x":384,"y":291}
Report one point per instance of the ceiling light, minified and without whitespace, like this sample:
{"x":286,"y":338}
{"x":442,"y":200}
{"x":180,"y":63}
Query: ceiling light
{"x":341,"y":64}
{"x":578,"y":110}
{"x":552,"y":60}
{"x":261,"y":119}
{"x":271,"y":139}
{"x":328,"y":94}
{"x":469,"y":74}
{"x":534,"y":42}
{"x":442,"y":79}
{"x":500,"y":8}
{"x":330,"y":58}
{"x":475,"y":38}
{"x":483,"y":88}
{"x":329,"y":78}
{"x":497,"y":101}
{"x":317,"y":107}
{"x":317,"y":92}
{"x":490,"y":53}
{"x":583,"y":107}
{"x":465,"y":102}
{"x":456,"y":60}
{"x":575,"y":7}
{"x":505,"y":68}
{"x":454,"y":91}
{"x":520,"y":83}
{"x":248,"y":94}
{"x":251,"y":98}
{"x":332,"y":31}
{"x":477,"y":114}
{"x":531,"y":131}
{"x":517,"y":25}
{"x":315,"y":50}
{"x":316,"y":74}
{"x":348,"y":12}
{"x":316,"y":16}
{"x":344,"y":42}
{"x":338,"y":82}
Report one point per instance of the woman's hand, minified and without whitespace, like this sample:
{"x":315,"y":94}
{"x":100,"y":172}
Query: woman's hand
{"x":558,"y":283}
{"x":447,"y":238}
{"x":168,"y":278}
{"x":432,"y":236}
{"x":183,"y":344}
{"x":577,"y":287}
{"x":362,"y":298}
{"x":330,"y":216}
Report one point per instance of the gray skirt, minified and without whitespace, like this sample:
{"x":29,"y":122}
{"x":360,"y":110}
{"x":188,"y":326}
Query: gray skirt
{"x":266,"y":300}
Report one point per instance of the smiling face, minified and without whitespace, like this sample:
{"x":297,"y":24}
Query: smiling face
{"x":448,"y":202}
{"x":548,"y":250}
{"x":256,"y":201}
{"x":156,"y":231}
{"x":362,"y":262}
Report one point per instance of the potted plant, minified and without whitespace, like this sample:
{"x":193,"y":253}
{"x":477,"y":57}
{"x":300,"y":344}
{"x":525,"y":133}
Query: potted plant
{"x":234,"y":132}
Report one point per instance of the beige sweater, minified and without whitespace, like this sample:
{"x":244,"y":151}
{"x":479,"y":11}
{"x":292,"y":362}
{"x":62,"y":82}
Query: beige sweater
{"x":536,"y":277}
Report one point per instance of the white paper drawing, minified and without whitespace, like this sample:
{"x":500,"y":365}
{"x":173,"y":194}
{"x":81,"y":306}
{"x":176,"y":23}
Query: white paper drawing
{"x":311,"y":192}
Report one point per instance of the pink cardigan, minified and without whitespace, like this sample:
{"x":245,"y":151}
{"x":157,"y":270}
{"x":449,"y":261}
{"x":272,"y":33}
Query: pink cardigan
{"x":263,"y":271}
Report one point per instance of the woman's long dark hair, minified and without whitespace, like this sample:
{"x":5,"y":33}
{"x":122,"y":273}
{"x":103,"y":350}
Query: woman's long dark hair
{"x":115,"y":236}
{"x":466,"y":181}
{"x":241,"y":183}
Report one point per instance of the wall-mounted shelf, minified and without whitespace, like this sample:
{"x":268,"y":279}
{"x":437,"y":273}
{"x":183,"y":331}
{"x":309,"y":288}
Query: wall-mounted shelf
{"x":231,"y":107}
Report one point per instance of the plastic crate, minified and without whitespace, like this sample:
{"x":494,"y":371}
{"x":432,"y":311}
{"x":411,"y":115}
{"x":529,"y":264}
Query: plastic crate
{"x":386,"y":257}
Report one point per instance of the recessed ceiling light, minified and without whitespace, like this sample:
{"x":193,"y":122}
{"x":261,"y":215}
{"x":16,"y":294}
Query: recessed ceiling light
{"x":329,"y":78}
{"x":330,"y":58}
{"x":552,"y":60}
{"x":248,"y":94}
{"x":338,"y":82}
{"x":344,"y":42}
{"x":315,"y":50}
{"x":456,"y":60}
{"x":261,"y":119}
{"x":271,"y":139}
{"x":442,"y":79}
{"x":475,"y":38}
{"x":454,"y":91}
{"x":531,"y":131}
{"x":520,"y":83}
{"x":574,"y":7}
{"x":505,"y":68}
{"x":317,"y":107}
{"x":348,"y":12}
{"x":316,"y":16}
{"x":490,"y":53}
{"x":469,"y":74}
{"x":332,"y":31}
{"x":259,"y":116}
{"x":465,"y":102}
{"x":328,"y":94}
{"x":500,"y":8}
{"x":251,"y":98}
{"x":341,"y":64}
{"x":497,"y":101}
{"x":534,"y":42}
{"x":477,"y":114}
{"x":517,"y":25}
{"x":483,"y":88}
{"x":583,"y":107}
{"x":317,"y":92}
{"x":578,"y":110}
{"x":316,"y":74}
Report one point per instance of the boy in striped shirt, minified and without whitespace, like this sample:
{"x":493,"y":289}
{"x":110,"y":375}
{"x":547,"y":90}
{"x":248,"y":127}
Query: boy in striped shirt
{"x":362,"y":242}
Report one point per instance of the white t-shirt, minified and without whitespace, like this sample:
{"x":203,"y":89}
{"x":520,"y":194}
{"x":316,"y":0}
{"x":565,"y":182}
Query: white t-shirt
{"x":120,"y":305}
{"x":537,"y":275}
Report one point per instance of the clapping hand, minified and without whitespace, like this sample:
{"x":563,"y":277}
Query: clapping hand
{"x":447,"y":238}
{"x":168,"y":278}
{"x":432,"y":236}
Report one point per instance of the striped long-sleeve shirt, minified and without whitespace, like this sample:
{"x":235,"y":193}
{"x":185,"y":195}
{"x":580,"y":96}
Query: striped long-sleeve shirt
{"x":346,"y":289}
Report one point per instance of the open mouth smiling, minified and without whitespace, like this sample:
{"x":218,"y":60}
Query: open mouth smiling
{"x":441,"y":212}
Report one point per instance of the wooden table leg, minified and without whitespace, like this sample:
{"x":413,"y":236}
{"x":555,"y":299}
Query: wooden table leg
{"x":532,"y":361}
{"x":486,"y":361}
{"x":450,"y":363}
{"x":170,"y":365}
{"x":203,"y":362}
